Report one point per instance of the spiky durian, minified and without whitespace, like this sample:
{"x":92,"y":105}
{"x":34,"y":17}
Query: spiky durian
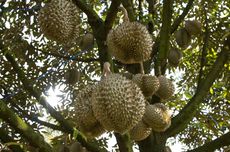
{"x":183,"y":38}
{"x":149,"y":84}
{"x":72,"y":76}
{"x":166,"y":88}
{"x":87,"y":42}
{"x":140,"y":131}
{"x":174,"y":57}
{"x":59,"y":21}
{"x":85,"y":119}
{"x":119,"y":103}
{"x":130,"y":42}
{"x":158,"y":117}
{"x":127,"y":75}
{"x":193,"y":27}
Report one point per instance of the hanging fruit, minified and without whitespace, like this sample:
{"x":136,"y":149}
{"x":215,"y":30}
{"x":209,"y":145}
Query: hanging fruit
{"x":183,"y":38}
{"x":166,"y":89}
{"x":158,"y":117}
{"x":148,"y":84}
{"x":193,"y":27}
{"x":130,"y":42}
{"x":118,"y":102}
{"x":174,"y":57}
{"x":84,"y":117}
{"x":72,"y":76}
{"x":59,"y":21}
{"x":140,"y":131}
{"x":87,"y":42}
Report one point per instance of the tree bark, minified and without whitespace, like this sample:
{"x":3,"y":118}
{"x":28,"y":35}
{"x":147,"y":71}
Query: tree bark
{"x":41,"y":99}
{"x":181,"y":121}
{"x":224,"y":140}
{"x":5,"y":138}
{"x":154,"y":143}
{"x":123,"y":142}
{"x":14,"y":120}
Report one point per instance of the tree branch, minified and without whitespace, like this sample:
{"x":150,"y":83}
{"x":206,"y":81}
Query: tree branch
{"x":215,"y":144}
{"x":5,"y":138}
{"x":69,"y":57}
{"x":187,"y":113}
{"x":15,"y":121}
{"x":164,"y":35}
{"x":123,"y":142}
{"x":204,"y":49}
{"x":34,"y":117}
{"x":182,"y":16}
{"x":111,"y":14}
{"x":93,"y":18}
{"x":129,"y":7}
{"x":41,"y":99}
{"x":91,"y":14}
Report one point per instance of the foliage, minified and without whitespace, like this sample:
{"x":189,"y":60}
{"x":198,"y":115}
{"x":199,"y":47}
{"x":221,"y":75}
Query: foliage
{"x":45,"y":65}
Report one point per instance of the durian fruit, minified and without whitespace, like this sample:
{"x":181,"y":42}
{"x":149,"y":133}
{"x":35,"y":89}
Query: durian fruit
{"x":166,"y":89}
{"x":158,"y":117}
{"x":183,"y":38}
{"x":85,"y":119}
{"x":59,"y":21}
{"x":87,"y":42}
{"x":130,"y":42}
{"x":149,"y":84}
{"x":140,"y":131}
{"x":119,"y":103}
{"x":127,"y":75}
{"x":193,"y":27}
{"x":72,"y":76}
{"x":174,"y":57}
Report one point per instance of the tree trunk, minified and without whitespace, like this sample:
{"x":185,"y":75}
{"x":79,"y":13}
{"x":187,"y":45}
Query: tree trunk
{"x":154,"y":143}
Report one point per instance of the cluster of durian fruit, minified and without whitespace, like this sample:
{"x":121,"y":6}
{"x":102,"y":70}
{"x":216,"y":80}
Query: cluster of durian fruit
{"x":183,"y":38}
{"x":119,"y":103}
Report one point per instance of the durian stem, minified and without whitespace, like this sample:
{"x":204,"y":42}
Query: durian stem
{"x":124,"y":11}
{"x":142,"y":71}
{"x":106,"y":69}
{"x":159,"y":70}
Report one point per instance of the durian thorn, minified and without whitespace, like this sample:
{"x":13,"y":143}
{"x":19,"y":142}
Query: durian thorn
{"x":106,"y":69}
{"x":124,"y":11}
{"x":142,"y":71}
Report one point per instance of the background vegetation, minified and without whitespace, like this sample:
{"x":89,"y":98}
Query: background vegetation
{"x":31,"y":65}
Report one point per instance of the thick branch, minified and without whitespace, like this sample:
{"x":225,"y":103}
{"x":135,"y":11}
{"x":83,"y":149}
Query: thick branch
{"x":15,"y":121}
{"x":69,"y":57}
{"x":34,"y":117}
{"x":123,"y":142}
{"x":111,"y":15}
{"x":182,"y":16}
{"x":215,"y":144}
{"x":26,"y":84}
{"x":129,"y":7}
{"x":204,"y":49}
{"x":5,"y":138}
{"x":164,"y":34}
{"x":187,"y":113}
{"x":91,"y":14}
